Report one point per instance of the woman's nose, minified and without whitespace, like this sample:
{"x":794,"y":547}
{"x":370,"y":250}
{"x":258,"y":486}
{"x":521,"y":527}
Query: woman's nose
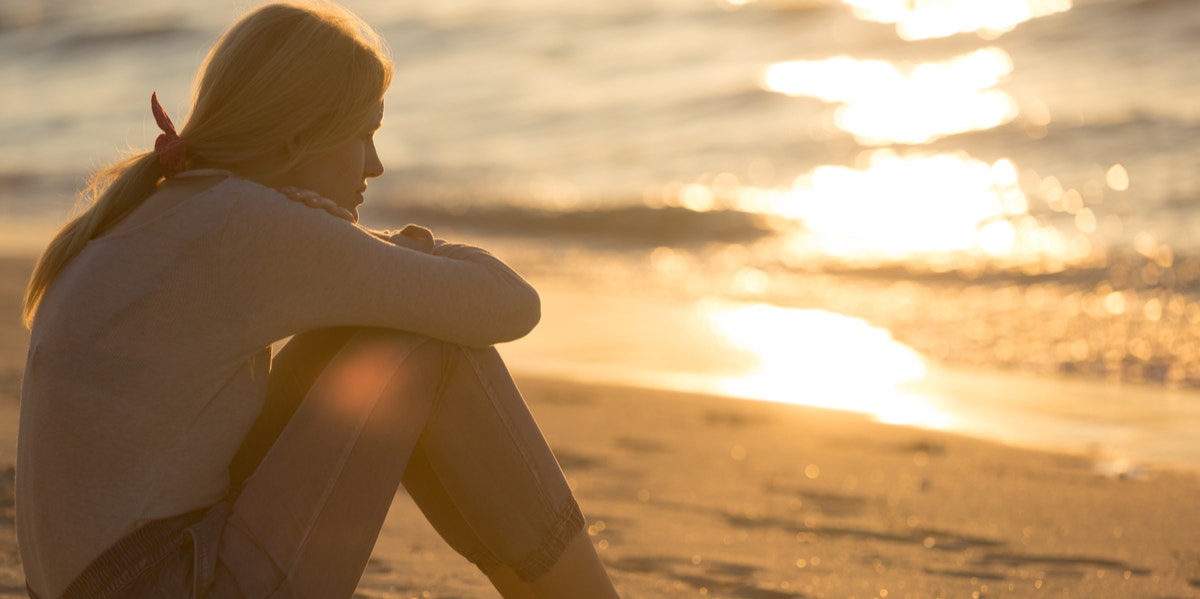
{"x":373,"y":167}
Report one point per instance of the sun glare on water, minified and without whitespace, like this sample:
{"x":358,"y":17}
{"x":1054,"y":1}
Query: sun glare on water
{"x":943,"y":18}
{"x":900,"y":206}
{"x":822,"y":359}
{"x":894,"y":208}
{"x":882,"y":103}
{"x":897,"y":207}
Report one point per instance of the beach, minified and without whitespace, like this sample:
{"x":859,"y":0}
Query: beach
{"x":692,"y":495}
{"x":839,"y":299}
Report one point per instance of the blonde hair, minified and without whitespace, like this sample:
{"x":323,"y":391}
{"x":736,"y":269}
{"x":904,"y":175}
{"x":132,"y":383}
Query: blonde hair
{"x":302,"y":77}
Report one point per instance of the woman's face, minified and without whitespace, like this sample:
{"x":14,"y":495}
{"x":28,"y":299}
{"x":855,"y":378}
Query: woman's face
{"x":341,"y":173}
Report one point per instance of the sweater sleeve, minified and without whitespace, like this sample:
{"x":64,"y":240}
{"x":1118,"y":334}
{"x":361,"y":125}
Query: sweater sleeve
{"x":290,"y":268}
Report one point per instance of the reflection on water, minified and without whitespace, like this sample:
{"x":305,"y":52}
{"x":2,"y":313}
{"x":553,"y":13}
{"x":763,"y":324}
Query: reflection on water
{"x":860,"y":210}
{"x":925,"y":20}
{"x":922,"y":206}
{"x":883,"y":103}
{"x":897,"y":207}
{"x":822,"y":359}
{"x":925,"y":207}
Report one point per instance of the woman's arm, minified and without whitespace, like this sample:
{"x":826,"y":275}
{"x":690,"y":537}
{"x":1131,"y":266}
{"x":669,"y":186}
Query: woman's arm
{"x":293,"y":268}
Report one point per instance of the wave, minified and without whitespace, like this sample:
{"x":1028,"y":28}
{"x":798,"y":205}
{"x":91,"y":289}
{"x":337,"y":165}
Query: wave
{"x":66,"y":38}
{"x":136,"y":33}
{"x":632,"y":227}
{"x":639,"y":227}
{"x":1143,"y":129}
{"x":1118,"y":269}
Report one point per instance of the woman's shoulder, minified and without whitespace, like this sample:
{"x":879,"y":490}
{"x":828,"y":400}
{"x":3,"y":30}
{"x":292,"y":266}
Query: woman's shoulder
{"x":258,"y":214}
{"x":254,"y":200}
{"x":238,"y":190}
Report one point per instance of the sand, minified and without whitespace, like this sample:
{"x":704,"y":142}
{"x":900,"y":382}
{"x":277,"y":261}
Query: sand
{"x":690,"y":495}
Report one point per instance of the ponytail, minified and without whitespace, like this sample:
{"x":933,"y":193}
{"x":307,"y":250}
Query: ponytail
{"x":114,"y":192}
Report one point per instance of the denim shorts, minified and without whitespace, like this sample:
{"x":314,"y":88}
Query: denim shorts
{"x":171,"y":558}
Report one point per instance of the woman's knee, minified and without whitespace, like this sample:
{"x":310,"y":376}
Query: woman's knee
{"x":293,"y":372}
{"x":307,"y":353}
{"x":347,"y":372}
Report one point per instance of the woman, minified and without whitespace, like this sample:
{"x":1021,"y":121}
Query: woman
{"x":163,"y":454}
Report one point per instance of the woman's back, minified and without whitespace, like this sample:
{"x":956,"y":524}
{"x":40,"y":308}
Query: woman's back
{"x":131,"y":410}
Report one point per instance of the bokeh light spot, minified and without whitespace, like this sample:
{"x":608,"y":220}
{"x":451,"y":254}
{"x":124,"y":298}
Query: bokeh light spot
{"x":1117,"y":178}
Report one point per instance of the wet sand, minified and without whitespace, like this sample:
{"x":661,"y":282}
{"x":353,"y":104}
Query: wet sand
{"x":690,"y":495}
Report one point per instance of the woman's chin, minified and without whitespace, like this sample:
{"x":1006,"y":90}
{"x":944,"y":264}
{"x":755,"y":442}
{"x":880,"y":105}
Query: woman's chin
{"x":352,"y":206}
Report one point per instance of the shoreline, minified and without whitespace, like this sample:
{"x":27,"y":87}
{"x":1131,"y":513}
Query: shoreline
{"x":585,"y":337}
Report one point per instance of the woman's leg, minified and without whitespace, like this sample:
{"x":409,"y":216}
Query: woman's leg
{"x":307,"y":519}
{"x":577,"y":571}
{"x":293,"y":371}
{"x":566,"y":564}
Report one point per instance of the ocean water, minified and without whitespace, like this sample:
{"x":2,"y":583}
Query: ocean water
{"x":1002,"y":184}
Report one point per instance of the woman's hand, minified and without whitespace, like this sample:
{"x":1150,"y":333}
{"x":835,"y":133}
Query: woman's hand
{"x":415,"y":237}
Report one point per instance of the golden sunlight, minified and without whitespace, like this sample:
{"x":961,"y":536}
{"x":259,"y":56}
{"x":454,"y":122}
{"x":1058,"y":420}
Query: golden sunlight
{"x":899,"y":207}
{"x":883,"y":103}
{"x":925,"y":20}
{"x":822,"y":359}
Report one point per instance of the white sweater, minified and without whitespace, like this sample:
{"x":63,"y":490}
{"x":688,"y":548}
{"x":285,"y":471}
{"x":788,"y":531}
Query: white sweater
{"x":149,"y":355}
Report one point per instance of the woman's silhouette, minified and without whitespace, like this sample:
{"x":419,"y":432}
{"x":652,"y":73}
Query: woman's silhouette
{"x":163,"y":453}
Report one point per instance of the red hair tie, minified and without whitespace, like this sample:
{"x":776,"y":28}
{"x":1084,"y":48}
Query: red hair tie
{"x":172,"y":152}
